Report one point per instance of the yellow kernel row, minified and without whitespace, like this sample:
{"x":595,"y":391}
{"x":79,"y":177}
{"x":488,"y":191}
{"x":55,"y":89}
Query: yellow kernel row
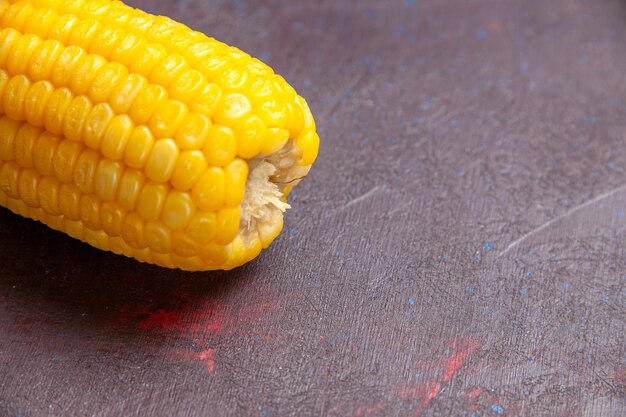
{"x":178,"y":216}
{"x":211,"y":255}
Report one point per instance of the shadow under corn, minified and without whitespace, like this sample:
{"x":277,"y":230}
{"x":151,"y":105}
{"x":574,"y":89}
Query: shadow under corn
{"x":54,"y":278}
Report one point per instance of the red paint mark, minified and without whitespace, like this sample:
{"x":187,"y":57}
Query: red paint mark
{"x":208,"y":356}
{"x":458,"y":356}
{"x":472,"y":396}
{"x":161,"y":320}
{"x":365,"y":410}
{"x":446,"y":367}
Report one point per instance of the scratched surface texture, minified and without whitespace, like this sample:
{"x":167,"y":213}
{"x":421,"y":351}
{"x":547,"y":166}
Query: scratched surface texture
{"x":457,"y":250}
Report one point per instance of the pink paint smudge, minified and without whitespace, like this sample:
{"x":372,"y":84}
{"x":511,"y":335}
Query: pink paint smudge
{"x":446,"y":367}
{"x":208,"y":355}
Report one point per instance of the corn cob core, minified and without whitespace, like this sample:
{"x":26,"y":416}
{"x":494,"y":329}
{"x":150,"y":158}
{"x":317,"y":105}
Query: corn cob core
{"x":137,"y":135}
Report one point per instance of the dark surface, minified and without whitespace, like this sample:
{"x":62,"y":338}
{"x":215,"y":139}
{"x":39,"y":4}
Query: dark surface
{"x":457,"y":250}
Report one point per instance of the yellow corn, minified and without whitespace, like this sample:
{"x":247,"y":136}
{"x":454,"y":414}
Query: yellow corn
{"x":137,"y":135}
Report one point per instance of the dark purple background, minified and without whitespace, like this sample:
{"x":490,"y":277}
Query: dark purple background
{"x":457,"y":249}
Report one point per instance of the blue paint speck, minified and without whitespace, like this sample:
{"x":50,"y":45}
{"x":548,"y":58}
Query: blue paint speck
{"x":480,"y":33}
{"x":416,"y":120}
{"x":56,"y":358}
{"x":611,"y":165}
{"x":497,"y":409}
{"x":590,"y":358}
{"x":565,"y":285}
{"x":337,"y":253}
{"x":293,"y":231}
{"x":469,"y":290}
{"x":264,"y":413}
{"x":488,"y":246}
{"x":592,"y":119}
{"x":474,"y":414}
{"x":527,"y":393}
{"x":523,"y":291}
{"x":523,"y":66}
{"x":256,"y":337}
{"x":61,"y":334}
{"x":455,"y":123}
{"x":314,"y":274}
{"x":387,"y":85}
{"x":621,"y":213}
{"x":411,"y":301}
{"x":605,"y":298}
{"x":408,"y":2}
{"x":306,"y":83}
{"x":529,"y":273}
{"x":417,"y":376}
{"x":345,"y":337}
{"x":446,"y":351}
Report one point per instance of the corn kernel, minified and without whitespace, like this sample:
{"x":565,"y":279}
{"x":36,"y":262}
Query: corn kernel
{"x":24,"y":143}
{"x":43,"y":153}
{"x":56,"y":106}
{"x":166,"y":118}
{"x":105,"y":40}
{"x":62,"y":71}
{"x":8,"y":131}
{"x":188,"y":85}
{"x":112,"y":217}
{"x":162,"y":160}
{"x":202,"y":226}
{"x":147,"y":58}
{"x":251,"y":134}
{"x":75,"y":116}
{"x":308,"y":143}
{"x":148,"y":99}
{"x":116,"y":137}
{"x":133,"y":231}
{"x":131,"y":183}
{"x":207,"y":101}
{"x":209,"y":191}
{"x":64,"y":160}
{"x":105,"y":80}
{"x":9,"y":173}
{"x":89,"y":211}
{"x":48,"y":195}
{"x":125,"y":92}
{"x":107,"y":178}
{"x":39,"y":22}
{"x":139,"y":147}
{"x":236,"y":177}
{"x":184,"y":245}
{"x":158,"y":237}
{"x":85,"y":72}
{"x":23,"y":49}
{"x":27,"y":187}
{"x":43,"y":59}
{"x":85,"y":170}
{"x":193,"y":131}
{"x":14,"y":96}
{"x":232,"y":108}
{"x":69,"y":196}
{"x":36,"y":102}
{"x":168,"y":69}
{"x":151,"y":199}
{"x":221,"y":145}
{"x":177,"y":210}
{"x":189,"y":168}
{"x":82,"y":32}
{"x":227,"y":224}
{"x":96,"y":123}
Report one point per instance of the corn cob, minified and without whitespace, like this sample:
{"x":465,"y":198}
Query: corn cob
{"x":140,"y":136}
